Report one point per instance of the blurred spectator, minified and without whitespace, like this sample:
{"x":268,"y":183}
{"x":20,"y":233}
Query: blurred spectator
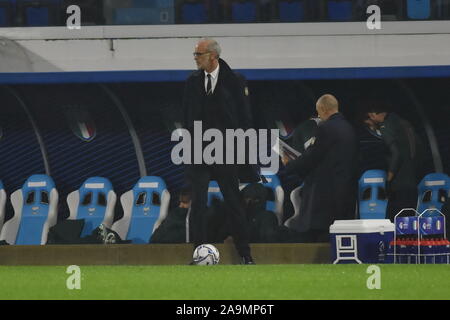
{"x":405,"y":155}
{"x":262,"y":224}
{"x":173,"y":228}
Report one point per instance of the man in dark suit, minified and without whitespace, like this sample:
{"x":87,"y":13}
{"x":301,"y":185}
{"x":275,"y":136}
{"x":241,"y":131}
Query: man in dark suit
{"x":330,"y":170}
{"x":214,"y":95}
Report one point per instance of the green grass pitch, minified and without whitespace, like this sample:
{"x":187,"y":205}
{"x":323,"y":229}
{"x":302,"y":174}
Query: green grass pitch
{"x":259,"y":282}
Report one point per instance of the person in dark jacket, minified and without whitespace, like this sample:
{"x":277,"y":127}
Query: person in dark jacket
{"x":305,"y":134}
{"x":329,"y":167}
{"x":173,"y":228}
{"x":405,"y":156}
{"x":215,"y":96}
{"x":262,"y":224}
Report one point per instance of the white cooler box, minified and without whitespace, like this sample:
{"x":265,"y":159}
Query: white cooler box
{"x":360,"y":241}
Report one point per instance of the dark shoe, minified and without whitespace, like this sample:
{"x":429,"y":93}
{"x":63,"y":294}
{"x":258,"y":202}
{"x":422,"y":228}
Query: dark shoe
{"x":247,"y":260}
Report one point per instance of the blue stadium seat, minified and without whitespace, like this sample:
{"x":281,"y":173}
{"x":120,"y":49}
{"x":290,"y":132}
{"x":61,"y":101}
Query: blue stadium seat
{"x":139,"y":16}
{"x":2,"y":205}
{"x":145,"y":12}
{"x":433,"y":191}
{"x":291,"y":11}
{"x":37,"y":13}
{"x":144,"y":207}
{"x":35,"y":211}
{"x":194,"y":13}
{"x":6,"y":13}
{"x":153,"y":3}
{"x":372,"y":195}
{"x":418,"y":9}
{"x":94,"y":202}
{"x":214,"y":192}
{"x":37,"y":16}
{"x":133,"y":16}
{"x":276,"y":195}
{"x":144,"y":3}
{"x":339,"y":10}
{"x":244,"y":11}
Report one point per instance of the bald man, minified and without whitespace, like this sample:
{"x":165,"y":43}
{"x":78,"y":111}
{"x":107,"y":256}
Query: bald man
{"x":329,"y":169}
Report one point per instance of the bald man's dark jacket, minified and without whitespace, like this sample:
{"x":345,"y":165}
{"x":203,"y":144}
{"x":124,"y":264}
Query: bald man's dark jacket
{"x":329,"y":167}
{"x":227,"y":108}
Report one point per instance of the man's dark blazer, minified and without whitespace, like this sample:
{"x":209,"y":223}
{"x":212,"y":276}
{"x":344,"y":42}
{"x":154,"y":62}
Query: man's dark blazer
{"x":330,"y":170}
{"x":228,"y":101}
{"x":227,"y":108}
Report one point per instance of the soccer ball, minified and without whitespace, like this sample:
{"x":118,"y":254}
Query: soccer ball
{"x":206,"y":254}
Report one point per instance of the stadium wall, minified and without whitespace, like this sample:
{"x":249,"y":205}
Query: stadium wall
{"x":260,"y":51}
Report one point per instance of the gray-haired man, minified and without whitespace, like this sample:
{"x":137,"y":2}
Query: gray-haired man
{"x":214,"y":94}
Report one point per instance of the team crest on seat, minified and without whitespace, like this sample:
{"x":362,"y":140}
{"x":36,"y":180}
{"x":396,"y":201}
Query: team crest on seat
{"x":80,"y":122}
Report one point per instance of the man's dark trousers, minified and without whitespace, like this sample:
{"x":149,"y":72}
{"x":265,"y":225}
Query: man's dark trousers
{"x":227,"y":178}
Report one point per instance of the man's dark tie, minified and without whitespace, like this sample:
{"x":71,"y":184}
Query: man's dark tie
{"x":209,"y":85}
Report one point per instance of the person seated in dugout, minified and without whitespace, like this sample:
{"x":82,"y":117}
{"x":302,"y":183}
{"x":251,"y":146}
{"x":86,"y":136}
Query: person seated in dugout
{"x":262,"y":224}
{"x":173,"y":228}
{"x":69,"y":232}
